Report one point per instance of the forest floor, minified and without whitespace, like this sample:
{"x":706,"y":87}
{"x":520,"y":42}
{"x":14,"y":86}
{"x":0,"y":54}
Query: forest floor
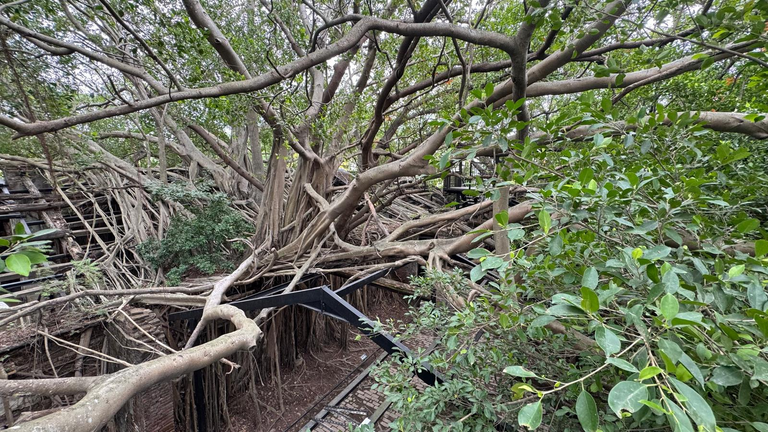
{"x":309,"y":387}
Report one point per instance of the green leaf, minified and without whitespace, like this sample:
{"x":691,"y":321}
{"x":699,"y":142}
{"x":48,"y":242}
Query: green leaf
{"x":488,"y":89}
{"x":592,"y":185}
{"x":565,"y":310}
{"x":530,"y":415}
{"x":478,"y":253}
{"x":671,"y":350}
{"x":692,"y":368}
{"x":761,"y":248}
{"x":698,"y":408}
{"x":35,"y":257}
{"x":502,"y":218}
{"x":748,"y":225}
{"x":492,"y":262}
{"x":761,"y":370}
{"x":727,"y":376}
{"x":589,"y":300}
{"x":671,"y":282}
{"x":760,"y":426}
{"x":445,"y":159}
{"x":590,"y":278}
{"x":607,"y":340}
{"x":756,"y":296}
{"x":545,"y":221}
{"x":762,"y":325}
{"x":654,"y":405}
{"x":43,"y":232}
{"x":669,"y":306}
{"x":657,"y":252}
{"x":627,"y":395}
{"x":586,"y":411}
{"x":449,"y":138}
{"x":586,"y":175}
{"x":673,"y":235}
{"x":677,"y":418}
{"x":19,"y":264}
{"x":649,"y":372}
{"x":19,"y":229}
{"x":515,"y":234}
{"x":735,"y":271}
{"x":541,"y":321}
{"x":476,"y":273}
{"x":622,"y":364}
{"x":556,"y":246}
{"x":644,"y":228}
{"x":505,"y":321}
{"x":519,"y":371}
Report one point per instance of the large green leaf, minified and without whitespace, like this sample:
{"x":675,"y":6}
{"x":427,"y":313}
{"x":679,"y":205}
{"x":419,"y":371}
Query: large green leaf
{"x":545,"y":221}
{"x":692,"y":367}
{"x":589,"y":300}
{"x":698,"y":408}
{"x":671,"y":282}
{"x":541,"y":321}
{"x":19,"y":229}
{"x":586,"y":411}
{"x":671,"y":350}
{"x":19,"y":264}
{"x":478,"y":253}
{"x":590,"y":278}
{"x":530,"y":415}
{"x":44,"y":232}
{"x":756,"y":296}
{"x":748,"y":225}
{"x":761,"y":248}
{"x":649,"y":372}
{"x":657,"y":252}
{"x":35,"y":257}
{"x":607,"y":340}
{"x":761,"y":370}
{"x":626,"y":396}
{"x":727,"y":376}
{"x":669,"y":306}
{"x":622,"y":364}
{"x":678,"y":419}
{"x":519,"y":371}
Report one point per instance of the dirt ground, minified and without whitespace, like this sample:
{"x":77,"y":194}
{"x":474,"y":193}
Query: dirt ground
{"x":309,"y":387}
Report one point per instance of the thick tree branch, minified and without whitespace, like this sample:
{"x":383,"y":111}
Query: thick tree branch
{"x":47,"y":387}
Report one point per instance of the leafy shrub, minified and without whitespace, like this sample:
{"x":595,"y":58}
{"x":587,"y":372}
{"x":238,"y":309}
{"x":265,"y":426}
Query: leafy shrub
{"x":21,"y":252}
{"x":197,"y":243}
{"x":634,"y":297}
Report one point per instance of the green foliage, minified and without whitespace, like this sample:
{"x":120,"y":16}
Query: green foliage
{"x":200,"y":242}
{"x":85,"y":273}
{"x":23,"y":251}
{"x":647,"y":243}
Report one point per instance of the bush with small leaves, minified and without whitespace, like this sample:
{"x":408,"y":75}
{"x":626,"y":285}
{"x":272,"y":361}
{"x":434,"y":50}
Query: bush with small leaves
{"x":198,"y":243}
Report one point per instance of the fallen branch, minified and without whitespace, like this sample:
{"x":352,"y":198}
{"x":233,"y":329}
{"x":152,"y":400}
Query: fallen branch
{"x":25,"y":310}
